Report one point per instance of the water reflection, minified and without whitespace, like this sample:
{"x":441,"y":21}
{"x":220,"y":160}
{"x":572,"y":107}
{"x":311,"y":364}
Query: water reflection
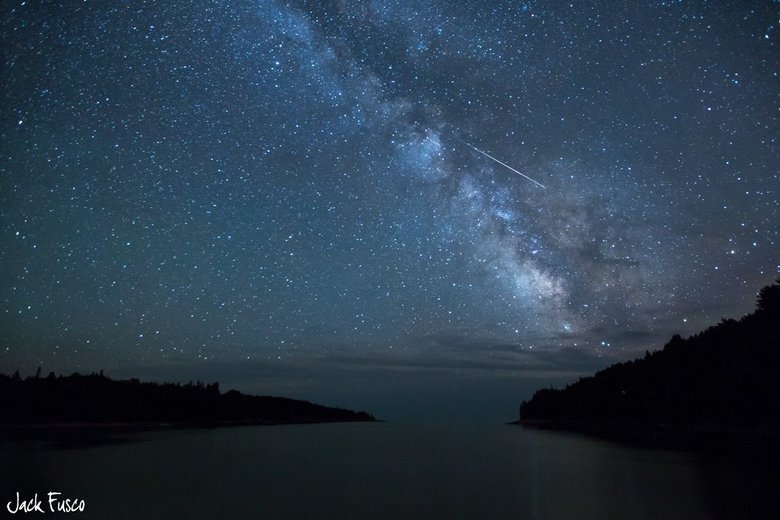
{"x":388,"y":471}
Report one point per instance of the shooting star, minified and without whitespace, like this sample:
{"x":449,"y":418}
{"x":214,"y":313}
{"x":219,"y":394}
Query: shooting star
{"x":501,"y":163}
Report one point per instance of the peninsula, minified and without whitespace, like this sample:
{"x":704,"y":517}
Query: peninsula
{"x":723,"y":383}
{"x":98,"y":400}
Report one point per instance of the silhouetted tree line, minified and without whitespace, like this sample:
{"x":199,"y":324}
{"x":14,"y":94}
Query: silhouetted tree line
{"x":96,"y":398}
{"x":726,"y":376}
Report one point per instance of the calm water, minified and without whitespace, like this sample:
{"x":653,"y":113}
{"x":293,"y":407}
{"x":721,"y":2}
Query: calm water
{"x":387,"y":471}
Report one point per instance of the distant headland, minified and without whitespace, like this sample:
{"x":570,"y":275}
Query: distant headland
{"x":97,"y":400}
{"x":720,"y":384}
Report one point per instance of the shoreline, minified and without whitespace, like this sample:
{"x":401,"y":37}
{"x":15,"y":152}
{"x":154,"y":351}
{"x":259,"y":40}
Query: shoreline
{"x":75,"y":434}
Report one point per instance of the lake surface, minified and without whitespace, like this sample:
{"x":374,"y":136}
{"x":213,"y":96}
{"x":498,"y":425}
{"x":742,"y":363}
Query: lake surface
{"x":385,"y":470}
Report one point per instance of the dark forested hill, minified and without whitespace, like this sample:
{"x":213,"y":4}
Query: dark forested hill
{"x":98,"y":399}
{"x":724,"y":378}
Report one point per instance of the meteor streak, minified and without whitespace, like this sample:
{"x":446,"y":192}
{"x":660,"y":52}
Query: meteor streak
{"x":501,"y":163}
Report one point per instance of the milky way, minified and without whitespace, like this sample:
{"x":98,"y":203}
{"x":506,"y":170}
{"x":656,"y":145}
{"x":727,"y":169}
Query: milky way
{"x":280,"y":194}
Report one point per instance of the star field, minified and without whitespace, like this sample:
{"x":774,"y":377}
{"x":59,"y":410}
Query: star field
{"x":282,"y":190}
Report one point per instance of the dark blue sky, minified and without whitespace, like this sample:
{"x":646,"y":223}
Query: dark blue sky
{"x":284,"y":197}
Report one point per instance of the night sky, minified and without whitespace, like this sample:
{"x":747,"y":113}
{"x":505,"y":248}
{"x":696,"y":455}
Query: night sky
{"x":299,"y":198}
